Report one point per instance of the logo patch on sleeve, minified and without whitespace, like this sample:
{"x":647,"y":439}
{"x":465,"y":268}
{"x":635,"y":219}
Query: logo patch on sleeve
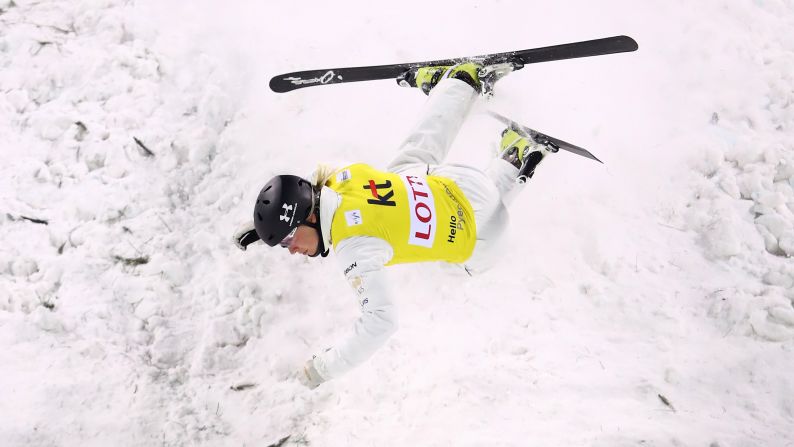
{"x":357,"y":283}
{"x":353,"y":218}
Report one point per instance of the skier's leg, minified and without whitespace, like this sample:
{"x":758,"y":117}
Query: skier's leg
{"x":503,"y":174}
{"x":491,"y":192}
{"x":518,"y":157}
{"x":490,"y":214}
{"x":438,"y":125}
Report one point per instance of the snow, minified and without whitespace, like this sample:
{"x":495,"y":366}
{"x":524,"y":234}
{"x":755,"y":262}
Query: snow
{"x":142,"y":131}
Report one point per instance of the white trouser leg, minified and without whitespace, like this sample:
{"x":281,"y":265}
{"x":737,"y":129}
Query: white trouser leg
{"x":438,"y":125}
{"x":490,"y":214}
{"x":488,"y":192}
{"x":503,"y":175}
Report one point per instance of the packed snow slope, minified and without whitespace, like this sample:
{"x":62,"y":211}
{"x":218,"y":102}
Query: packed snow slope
{"x":646,"y":301}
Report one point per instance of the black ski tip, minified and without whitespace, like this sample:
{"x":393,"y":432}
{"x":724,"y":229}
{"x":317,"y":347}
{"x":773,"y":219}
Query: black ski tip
{"x":279,"y":85}
{"x":276,"y":85}
{"x":629,"y":43}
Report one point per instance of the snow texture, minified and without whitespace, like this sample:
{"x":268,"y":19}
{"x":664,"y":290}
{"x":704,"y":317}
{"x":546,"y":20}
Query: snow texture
{"x":647,"y":301}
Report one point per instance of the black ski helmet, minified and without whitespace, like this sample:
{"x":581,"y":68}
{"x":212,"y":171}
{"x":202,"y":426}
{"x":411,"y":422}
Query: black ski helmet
{"x":283,"y":203}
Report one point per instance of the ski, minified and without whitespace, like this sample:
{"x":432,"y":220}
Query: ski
{"x":542,"y":138}
{"x":309,"y":78}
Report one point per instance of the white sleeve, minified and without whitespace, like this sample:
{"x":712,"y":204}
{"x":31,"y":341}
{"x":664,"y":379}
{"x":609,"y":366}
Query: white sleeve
{"x":362,"y":260}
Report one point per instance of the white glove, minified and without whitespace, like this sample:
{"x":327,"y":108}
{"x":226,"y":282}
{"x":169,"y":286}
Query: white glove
{"x":309,"y":377}
{"x":245,"y":235}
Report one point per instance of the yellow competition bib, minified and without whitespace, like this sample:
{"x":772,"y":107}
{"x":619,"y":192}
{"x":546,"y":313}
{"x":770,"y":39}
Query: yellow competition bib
{"x":422,"y":218}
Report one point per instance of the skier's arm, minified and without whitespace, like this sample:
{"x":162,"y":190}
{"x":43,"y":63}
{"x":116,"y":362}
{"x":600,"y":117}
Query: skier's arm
{"x":362,"y":259}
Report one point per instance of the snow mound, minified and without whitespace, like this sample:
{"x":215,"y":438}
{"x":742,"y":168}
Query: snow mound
{"x":107,"y":145}
{"x":743,"y":212}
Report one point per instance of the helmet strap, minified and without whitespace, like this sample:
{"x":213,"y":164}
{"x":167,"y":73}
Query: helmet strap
{"x":321,"y":249}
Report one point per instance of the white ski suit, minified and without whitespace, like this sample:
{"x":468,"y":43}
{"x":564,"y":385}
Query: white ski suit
{"x":363,"y":258}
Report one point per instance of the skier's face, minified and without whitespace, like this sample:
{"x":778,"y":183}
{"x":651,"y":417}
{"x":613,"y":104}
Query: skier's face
{"x":304,"y":241}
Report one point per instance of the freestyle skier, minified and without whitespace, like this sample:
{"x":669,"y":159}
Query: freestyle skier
{"x":416,"y":210}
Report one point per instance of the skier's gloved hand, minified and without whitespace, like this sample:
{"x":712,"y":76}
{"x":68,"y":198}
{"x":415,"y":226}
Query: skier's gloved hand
{"x":245,"y":235}
{"x":309,"y":377}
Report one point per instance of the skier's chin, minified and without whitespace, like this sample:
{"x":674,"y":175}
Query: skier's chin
{"x":314,"y":254}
